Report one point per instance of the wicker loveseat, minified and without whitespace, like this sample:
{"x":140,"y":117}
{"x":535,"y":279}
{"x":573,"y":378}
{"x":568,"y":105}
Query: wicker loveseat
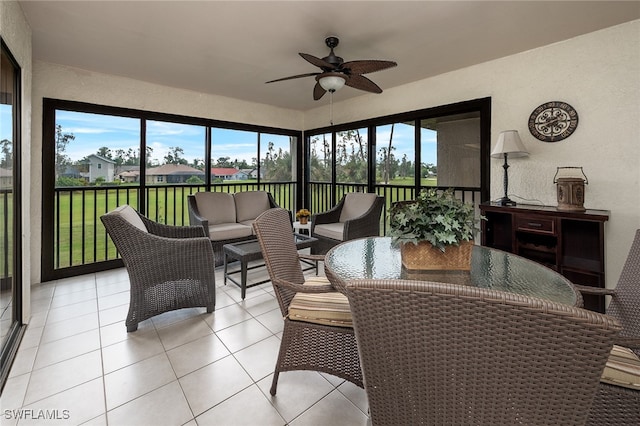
{"x":227,"y":218}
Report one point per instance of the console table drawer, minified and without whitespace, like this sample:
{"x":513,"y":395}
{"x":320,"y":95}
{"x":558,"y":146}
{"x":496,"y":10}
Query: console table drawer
{"x":540,"y":225}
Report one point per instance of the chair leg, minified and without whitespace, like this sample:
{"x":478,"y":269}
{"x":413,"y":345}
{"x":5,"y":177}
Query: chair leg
{"x":274,"y":383}
{"x":132,"y":327}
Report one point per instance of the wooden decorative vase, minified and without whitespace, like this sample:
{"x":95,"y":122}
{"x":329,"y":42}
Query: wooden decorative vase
{"x":304,"y":220}
{"x":425,"y":257}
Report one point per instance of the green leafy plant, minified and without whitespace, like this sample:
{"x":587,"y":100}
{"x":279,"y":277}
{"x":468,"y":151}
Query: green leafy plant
{"x":437,"y":217}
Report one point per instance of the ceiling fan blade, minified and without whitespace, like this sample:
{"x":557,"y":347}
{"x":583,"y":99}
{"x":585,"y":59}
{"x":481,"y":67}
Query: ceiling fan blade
{"x":367,"y":66}
{"x":326,"y":66}
{"x":294,"y":76}
{"x":362,"y":83}
{"x":318,"y":92}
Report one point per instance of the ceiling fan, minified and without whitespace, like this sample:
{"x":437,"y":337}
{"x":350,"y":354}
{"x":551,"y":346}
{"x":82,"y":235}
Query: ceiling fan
{"x":336,"y":73}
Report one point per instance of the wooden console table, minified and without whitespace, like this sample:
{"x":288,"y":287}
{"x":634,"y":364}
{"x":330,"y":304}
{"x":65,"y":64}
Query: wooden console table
{"x":571,"y":243}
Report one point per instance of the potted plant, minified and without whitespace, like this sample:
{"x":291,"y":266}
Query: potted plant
{"x":434,"y":231}
{"x":303,"y":216}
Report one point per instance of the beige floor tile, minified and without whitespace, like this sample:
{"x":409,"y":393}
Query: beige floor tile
{"x":227,"y":316}
{"x":64,"y":375}
{"x":323,"y":413}
{"x":113,"y":300}
{"x":259,"y":360}
{"x":113,"y":315}
{"x":172,"y":317}
{"x":72,"y":311}
{"x":140,"y":345}
{"x":260,"y":304}
{"x":64,"y":299}
{"x":212,"y":384}
{"x":196,"y":354}
{"x":163,"y":406}
{"x":272,"y":320}
{"x":242,"y":335}
{"x":73,"y":406}
{"x":24,"y":361}
{"x":260,"y":412}
{"x":296,"y":392}
{"x":184,"y":332}
{"x":14,"y":391}
{"x":60,"y":330}
{"x":67,"y":348}
{"x":135,"y":380}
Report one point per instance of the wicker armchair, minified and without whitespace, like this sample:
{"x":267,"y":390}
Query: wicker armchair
{"x":615,"y":404}
{"x":357,"y":215}
{"x":435,"y":353}
{"x":318,"y":332}
{"x":169,"y":267}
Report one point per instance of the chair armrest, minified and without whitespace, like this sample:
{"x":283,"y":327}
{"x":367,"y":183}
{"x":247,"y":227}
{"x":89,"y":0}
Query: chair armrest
{"x":194,"y":215}
{"x":330,"y":216}
{"x":597,"y":291}
{"x":630,"y":342}
{"x":171,"y":231}
{"x":313,"y":257}
{"x":367,"y":225}
{"x":300,"y":288}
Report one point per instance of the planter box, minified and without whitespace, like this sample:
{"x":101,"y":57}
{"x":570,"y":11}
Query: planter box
{"x":425,"y":257}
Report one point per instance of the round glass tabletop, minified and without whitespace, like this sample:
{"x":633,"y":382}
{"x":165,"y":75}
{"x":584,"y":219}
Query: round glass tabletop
{"x":376,"y":258}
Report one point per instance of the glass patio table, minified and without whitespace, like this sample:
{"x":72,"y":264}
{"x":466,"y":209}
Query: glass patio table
{"x":376,"y":258}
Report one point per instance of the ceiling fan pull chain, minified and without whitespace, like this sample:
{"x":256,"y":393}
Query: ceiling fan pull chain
{"x":331,"y":108}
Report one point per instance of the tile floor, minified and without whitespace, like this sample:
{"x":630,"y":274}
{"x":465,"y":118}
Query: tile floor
{"x":78,"y":364}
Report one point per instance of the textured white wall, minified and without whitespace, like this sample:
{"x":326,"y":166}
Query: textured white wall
{"x":17,"y":36}
{"x":598,"y":74}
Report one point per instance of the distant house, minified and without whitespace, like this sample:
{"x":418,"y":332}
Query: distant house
{"x":6,"y":178}
{"x":172,"y":173}
{"x":100,"y":167}
{"x":128,"y":174}
{"x":224,"y":173}
{"x":251,"y":173}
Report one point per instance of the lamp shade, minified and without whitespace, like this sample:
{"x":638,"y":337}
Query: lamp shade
{"x":331,"y":81}
{"x":509,"y":143}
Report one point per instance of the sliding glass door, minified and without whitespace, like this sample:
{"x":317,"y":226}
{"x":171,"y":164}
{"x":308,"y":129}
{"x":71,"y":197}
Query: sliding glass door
{"x":10,"y":262}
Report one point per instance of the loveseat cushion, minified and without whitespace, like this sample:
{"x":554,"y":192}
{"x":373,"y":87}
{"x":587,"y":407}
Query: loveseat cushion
{"x":330,"y":230}
{"x":216,"y":207}
{"x":356,"y":204}
{"x":321,"y":308}
{"x":249,"y":205}
{"x":228,"y":231}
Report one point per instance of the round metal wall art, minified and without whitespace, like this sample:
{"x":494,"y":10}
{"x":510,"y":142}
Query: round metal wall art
{"x":553,"y":121}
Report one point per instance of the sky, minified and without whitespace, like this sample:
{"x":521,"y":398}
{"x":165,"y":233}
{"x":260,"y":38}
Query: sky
{"x":93,"y":131}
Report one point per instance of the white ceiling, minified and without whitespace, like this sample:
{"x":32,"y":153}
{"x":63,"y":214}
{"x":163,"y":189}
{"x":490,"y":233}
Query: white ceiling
{"x":231,"y":48}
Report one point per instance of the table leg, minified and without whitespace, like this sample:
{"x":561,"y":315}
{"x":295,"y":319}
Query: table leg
{"x":243,"y":278}
{"x":225,"y":269}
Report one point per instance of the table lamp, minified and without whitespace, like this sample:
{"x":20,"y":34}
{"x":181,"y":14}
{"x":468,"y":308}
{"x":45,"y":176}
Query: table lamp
{"x":508,"y":145}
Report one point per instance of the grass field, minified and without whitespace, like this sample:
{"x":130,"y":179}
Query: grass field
{"x":81,"y":237}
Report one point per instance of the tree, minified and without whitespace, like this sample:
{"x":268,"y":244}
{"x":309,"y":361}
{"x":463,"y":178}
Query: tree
{"x":175,"y":156}
{"x":61,"y":141}
{"x":104,"y":152}
{"x":7,"y":154}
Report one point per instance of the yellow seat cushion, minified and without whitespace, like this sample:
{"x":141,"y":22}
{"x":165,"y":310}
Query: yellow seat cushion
{"x":321,"y":308}
{"x":622,"y":369}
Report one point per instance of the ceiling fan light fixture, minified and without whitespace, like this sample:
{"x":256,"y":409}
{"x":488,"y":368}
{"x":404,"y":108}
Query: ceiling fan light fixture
{"x":331,"y":81}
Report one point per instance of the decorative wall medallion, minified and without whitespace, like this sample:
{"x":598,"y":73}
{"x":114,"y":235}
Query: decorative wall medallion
{"x":553,"y":121}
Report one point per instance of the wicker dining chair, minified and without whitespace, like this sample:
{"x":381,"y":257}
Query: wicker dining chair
{"x":435,"y":353}
{"x":318,"y":333}
{"x":169,"y":267}
{"x":615,"y":404}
